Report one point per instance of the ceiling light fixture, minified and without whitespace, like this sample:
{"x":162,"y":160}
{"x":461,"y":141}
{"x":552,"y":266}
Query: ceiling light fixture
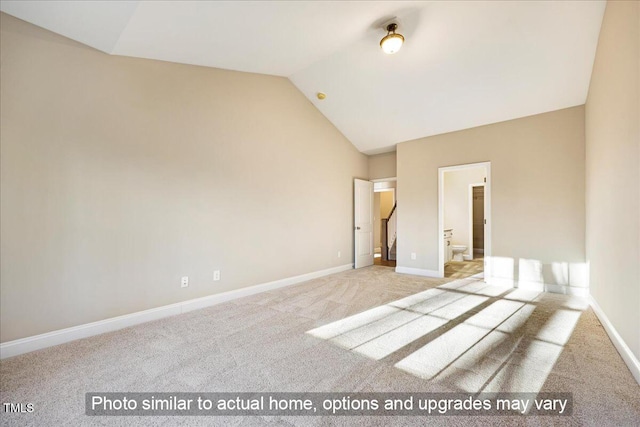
{"x":392,"y":42}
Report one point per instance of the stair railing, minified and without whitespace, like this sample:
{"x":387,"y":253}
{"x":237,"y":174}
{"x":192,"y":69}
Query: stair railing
{"x":391,"y":225}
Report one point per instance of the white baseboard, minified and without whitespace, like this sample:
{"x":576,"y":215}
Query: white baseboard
{"x":61,"y":336}
{"x":539,"y":287}
{"x":499,"y":281}
{"x":198,"y":303}
{"x":555,"y":289}
{"x":629,"y":358}
{"x":467,"y":257}
{"x":567,"y":290}
{"x":418,"y":272}
{"x":49,"y":339}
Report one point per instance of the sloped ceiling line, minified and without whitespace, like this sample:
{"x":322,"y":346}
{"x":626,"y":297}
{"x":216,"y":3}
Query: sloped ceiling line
{"x":464,"y":64}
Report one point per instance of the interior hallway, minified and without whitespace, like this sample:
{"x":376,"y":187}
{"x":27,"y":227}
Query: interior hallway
{"x":377,"y":260}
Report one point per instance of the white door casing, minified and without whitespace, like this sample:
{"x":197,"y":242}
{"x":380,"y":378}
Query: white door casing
{"x":471,"y":245}
{"x":487,"y":214}
{"x":363,"y":223}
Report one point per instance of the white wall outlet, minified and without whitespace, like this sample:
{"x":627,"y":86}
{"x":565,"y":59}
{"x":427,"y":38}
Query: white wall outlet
{"x":184,"y":282}
{"x":339,"y":254}
{"x":413,"y":255}
{"x":216,"y":275}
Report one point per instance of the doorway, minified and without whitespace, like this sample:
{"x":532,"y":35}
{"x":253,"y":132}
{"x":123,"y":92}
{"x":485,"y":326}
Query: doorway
{"x":374,"y":204}
{"x":476,"y":213}
{"x":383,"y":206}
{"x":464,"y":219}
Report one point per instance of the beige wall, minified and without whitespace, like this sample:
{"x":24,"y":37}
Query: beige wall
{"x":382,"y":166}
{"x":537,"y":174}
{"x":386,"y":203}
{"x":456,"y":202}
{"x":612,"y":171}
{"x":121,"y":175}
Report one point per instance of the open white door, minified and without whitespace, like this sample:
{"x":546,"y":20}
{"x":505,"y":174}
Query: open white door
{"x":363,"y":221}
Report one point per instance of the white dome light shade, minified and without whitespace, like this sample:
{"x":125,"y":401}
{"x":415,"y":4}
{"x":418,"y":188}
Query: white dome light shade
{"x":392,"y":42}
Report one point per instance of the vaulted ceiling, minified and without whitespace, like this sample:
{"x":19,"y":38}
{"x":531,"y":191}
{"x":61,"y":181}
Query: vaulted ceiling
{"x":464,"y":64}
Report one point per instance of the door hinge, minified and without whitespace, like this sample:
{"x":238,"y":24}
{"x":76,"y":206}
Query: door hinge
{"x":485,"y":222}
{"x":485,"y":180}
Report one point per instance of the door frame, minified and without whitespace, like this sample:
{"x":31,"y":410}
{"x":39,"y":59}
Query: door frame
{"x":377,"y":189}
{"x":487,"y":212}
{"x":470,"y":246}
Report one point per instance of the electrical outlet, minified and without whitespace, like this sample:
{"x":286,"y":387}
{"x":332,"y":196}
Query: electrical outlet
{"x":216,"y":275}
{"x":339,"y":254}
{"x":184,"y":282}
{"x":413,"y":255}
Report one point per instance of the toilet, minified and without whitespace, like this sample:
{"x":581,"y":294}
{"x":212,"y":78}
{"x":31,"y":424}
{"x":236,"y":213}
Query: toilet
{"x":457,"y":251}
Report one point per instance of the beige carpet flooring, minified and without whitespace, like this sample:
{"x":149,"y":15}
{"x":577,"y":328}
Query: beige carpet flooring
{"x":362,"y":330}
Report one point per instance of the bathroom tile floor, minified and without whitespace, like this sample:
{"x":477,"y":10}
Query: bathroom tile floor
{"x":459,"y":270}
